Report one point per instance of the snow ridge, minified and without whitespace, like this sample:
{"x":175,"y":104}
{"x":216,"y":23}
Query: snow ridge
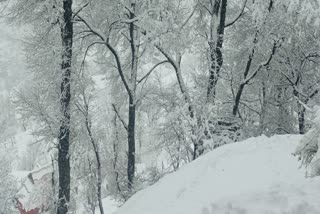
{"x":256,"y":176}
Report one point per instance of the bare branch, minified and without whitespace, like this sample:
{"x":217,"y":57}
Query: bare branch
{"x":239,"y":15}
{"x":276,"y":45}
{"x":314,"y":94}
{"x":152,"y":69}
{"x":105,"y":41}
{"x":121,"y":73}
{"x":80,"y":9}
{"x":176,"y":65}
{"x":94,"y":31}
{"x":168,"y":56}
{"x":204,"y":6}
{"x":189,"y":17}
{"x":86,"y":53}
{"x":118,"y":115}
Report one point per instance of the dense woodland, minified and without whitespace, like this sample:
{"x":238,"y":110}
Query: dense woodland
{"x":119,"y":93}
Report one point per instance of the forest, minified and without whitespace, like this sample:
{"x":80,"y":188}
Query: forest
{"x":101,"y":99}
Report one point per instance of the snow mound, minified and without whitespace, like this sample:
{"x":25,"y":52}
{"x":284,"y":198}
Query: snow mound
{"x":256,"y":176}
{"x":109,"y":205}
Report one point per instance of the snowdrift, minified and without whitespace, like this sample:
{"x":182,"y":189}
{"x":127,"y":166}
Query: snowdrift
{"x":256,"y":176}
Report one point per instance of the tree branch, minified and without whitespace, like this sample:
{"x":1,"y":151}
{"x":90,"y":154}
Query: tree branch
{"x":105,"y":41}
{"x":189,"y":17}
{"x":80,"y":9}
{"x":176,"y":65}
{"x":86,"y":53}
{"x":121,"y":73}
{"x":239,"y":15}
{"x":151,"y":70}
{"x":118,"y":115}
{"x":276,"y":45}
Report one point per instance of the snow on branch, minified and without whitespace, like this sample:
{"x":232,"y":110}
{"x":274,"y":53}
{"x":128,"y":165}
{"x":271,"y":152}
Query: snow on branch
{"x":105,"y":41}
{"x":176,"y":65}
{"x":276,"y":45}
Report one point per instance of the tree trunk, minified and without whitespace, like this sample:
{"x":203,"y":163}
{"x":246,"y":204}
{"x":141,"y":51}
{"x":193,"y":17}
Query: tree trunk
{"x":237,"y":100}
{"x":99,"y":181}
{"x":247,"y":69}
{"x":198,"y":144}
{"x":132,"y":96}
{"x":215,"y":47}
{"x":97,"y":155}
{"x":301,"y":115}
{"x":131,"y":142}
{"x":263,"y":107}
{"x":65,"y":97}
{"x":242,"y":85}
{"x":115,"y":153}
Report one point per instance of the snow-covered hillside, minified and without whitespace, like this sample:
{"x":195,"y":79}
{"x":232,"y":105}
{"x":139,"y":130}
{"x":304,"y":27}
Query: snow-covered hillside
{"x":257,"y":176}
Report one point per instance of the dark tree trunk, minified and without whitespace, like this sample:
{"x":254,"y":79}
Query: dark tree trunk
{"x":99,"y":181}
{"x":263,"y":107}
{"x":301,"y":116}
{"x":215,"y":49}
{"x":97,"y":155}
{"x":242,"y":85}
{"x":237,"y":100}
{"x":301,"y":112}
{"x":132,"y":96}
{"x":131,"y":142}
{"x":247,"y":69}
{"x":198,"y":149}
{"x":115,"y":153}
{"x":65,"y":97}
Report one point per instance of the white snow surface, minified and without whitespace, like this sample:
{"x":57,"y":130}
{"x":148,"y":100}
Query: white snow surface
{"x":109,"y":205}
{"x":257,"y":176}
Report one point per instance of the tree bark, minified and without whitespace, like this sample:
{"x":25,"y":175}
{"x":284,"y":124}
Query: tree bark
{"x":132,"y":97}
{"x":263,"y":107}
{"x":131,"y":143}
{"x":248,"y":66}
{"x":301,"y":118}
{"x":245,"y":75}
{"x":115,"y":153}
{"x":65,"y":97}
{"x":97,"y":155}
{"x":215,"y":47}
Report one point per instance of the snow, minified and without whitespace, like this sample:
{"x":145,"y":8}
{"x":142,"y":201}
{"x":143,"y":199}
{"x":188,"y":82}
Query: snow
{"x":258,"y":175}
{"x":23,"y":139}
{"x":25,"y":186}
{"x":109,"y":205}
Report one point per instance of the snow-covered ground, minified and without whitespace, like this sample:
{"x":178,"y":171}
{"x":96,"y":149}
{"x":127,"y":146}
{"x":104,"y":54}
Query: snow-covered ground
{"x":257,"y":176}
{"x":109,"y":205}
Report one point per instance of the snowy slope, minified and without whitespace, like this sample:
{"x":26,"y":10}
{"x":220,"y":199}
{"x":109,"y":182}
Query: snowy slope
{"x":257,"y":176}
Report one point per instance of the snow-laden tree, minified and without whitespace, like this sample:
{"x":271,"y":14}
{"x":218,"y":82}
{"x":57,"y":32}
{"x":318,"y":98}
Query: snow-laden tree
{"x":8,"y":188}
{"x":8,"y":185}
{"x":126,"y":29}
{"x":157,"y":94}
{"x":54,"y":19}
{"x":213,"y":19}
{"x":268,"y":30}
{"x":308,"y":148}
